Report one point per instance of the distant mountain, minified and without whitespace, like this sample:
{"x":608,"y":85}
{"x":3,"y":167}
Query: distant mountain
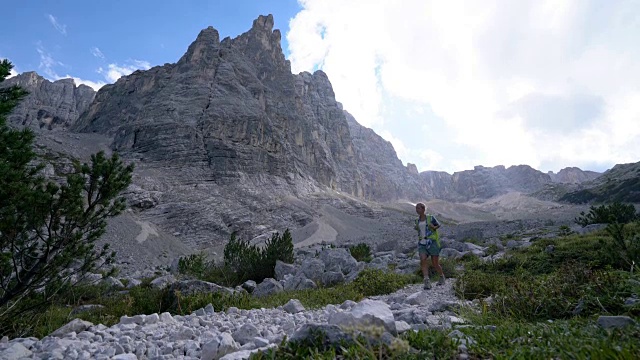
{"x":573,"y":175}
{"x":484,"y":182}
{"x":620,"y":183}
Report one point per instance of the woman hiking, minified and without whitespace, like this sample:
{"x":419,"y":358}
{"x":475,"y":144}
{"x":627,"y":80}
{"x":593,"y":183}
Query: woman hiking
{"x":428,"y":244}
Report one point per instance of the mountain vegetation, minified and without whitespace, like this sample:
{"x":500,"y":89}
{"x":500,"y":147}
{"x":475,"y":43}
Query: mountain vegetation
{"x":48,"y":229}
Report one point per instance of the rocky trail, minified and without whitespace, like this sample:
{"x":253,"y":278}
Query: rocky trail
{"x":235,"y":334}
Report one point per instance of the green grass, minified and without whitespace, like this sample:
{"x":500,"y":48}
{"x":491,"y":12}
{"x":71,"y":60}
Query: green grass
{"x":564,"y":339}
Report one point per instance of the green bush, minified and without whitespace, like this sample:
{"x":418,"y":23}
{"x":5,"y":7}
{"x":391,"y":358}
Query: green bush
{"x":250,"y":262}
{"x":278,"y":248}
{"x":361,"y":252}
{"x":607,"y":214}
{"x":564,"y":230}
{"x":195,"y":265}
{"x":627,"y":244}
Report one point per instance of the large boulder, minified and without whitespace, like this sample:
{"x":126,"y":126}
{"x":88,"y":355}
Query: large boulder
{"x":311,"y":268}
{"x":331,"y":278}
{"x":340,"y":257}
{"x":15,"y":351}
{"x":609,"y":322}
{"x":246,"y":333}
{"x":163,"y":281}
{"x":267,"y":287}
{"x":367,"y":313}
{"x":75,"y":325}
{"x":451,"y":253}
{"x":293,"y":306}
{"x":220,"y":346}
{"x":283,"y":269}
{"x":299,"y":282}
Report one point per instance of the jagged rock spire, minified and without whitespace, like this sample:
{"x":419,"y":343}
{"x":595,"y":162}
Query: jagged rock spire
{"x":264,"y":23}
{"x":203,"y":47}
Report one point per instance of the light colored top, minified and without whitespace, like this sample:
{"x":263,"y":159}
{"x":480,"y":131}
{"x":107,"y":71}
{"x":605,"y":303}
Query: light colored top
{"x":422,"y":227}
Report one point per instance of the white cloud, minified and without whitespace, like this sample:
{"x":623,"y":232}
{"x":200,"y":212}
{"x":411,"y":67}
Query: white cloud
{"x":62,"y":28}
{"x":545,"y":83}
{"x":398,"y":145}
{"x":115,"y":71}
{"x":47,"y":63}
{"x":97,"y":53}
{"x":96,"y":85}
{"x":48,"y":67}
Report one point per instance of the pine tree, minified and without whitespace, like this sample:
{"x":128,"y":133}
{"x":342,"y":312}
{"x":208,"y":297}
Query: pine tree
{"x":48,"y":230}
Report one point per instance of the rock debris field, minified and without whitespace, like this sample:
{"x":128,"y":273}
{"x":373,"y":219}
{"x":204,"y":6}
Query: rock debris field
{"x":235,"y":334}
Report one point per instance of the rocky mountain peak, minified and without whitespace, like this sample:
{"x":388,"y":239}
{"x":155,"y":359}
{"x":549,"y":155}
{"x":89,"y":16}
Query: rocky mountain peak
{"x":261,"y":44}
{"x":27,"y":79}
{"x":206,"y":43}
{"x":263,"y":23}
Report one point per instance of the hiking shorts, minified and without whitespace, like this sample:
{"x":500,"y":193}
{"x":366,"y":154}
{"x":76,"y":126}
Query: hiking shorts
{"x":429,"y":249}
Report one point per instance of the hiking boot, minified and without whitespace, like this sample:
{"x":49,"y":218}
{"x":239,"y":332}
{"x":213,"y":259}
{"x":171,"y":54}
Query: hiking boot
{"x":427,"y":283}
{"x":441,"y":280}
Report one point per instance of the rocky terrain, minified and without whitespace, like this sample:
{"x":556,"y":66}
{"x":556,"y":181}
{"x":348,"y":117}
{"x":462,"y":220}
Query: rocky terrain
{"x":209,"y":333}
{"x":236,"y":334}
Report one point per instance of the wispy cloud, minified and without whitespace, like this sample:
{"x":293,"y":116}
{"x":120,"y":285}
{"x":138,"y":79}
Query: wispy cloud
{"x":116,"y":71}
{"x":47,"y":62}
{"x":62,"y":28}
{"x":111,"y":74}
{"x":97,"y":53}
{"x":96,"y":85}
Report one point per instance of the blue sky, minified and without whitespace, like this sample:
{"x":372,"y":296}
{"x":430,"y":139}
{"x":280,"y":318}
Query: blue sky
{"x":451,"y":84}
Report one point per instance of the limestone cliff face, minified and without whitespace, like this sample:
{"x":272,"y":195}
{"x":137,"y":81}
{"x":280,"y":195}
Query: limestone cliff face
{"x":385,"y":177}
{"x":440,"y":185}
{"x":234,"y":107}
{"x":50,"y":105}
